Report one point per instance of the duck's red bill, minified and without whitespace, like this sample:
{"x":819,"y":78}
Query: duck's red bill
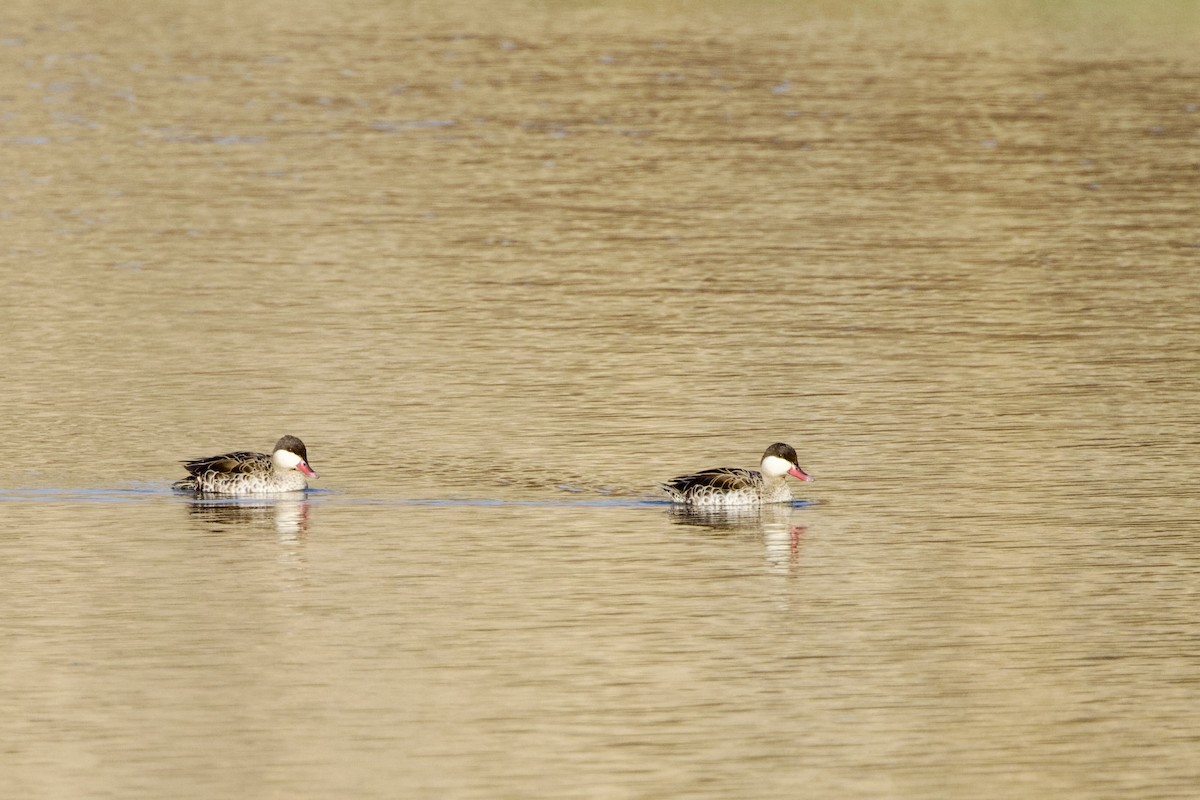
{"x":799,"y":473}
{"x":306,"y":469}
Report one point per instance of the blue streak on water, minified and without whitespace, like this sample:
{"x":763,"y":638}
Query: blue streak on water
{"x":155,"y":492}
{"x":78,"y":495}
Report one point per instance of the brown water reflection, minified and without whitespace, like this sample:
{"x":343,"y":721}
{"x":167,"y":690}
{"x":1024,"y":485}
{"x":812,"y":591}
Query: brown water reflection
{"x":285,"y":517}
{"x":505,"y":267}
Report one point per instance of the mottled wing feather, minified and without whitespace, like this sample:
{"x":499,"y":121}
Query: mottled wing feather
{"x":724,"y":479}
{"x":244,"y":461}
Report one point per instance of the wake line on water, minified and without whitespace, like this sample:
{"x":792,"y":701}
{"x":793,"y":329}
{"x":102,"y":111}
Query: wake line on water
{"x":322,"y":496}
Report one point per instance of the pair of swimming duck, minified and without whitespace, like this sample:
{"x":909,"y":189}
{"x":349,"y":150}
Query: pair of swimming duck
{"x":286,"y":470}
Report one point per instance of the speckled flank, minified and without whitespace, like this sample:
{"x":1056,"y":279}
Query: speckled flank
{"x":264,"y":482}
{"x":720,"y":488}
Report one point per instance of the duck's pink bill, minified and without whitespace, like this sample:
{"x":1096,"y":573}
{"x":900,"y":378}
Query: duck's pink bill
{"x":799,"y":473}
{"x":306,"y":469}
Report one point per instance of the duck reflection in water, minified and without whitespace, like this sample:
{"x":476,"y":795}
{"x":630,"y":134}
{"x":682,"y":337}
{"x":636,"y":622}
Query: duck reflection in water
{"x":287,"y":517}
{"x":772,"y":522}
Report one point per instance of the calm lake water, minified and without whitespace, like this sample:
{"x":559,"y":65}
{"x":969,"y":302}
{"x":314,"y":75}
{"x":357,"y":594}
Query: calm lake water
{"x":504,"y":267}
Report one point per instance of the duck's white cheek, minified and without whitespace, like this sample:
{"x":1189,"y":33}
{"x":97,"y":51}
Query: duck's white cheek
{"x":285,"y":460}
{"x":774,"y":465}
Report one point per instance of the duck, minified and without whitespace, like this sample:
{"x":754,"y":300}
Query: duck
{"x":725,"y":487}
{"x":248,"y":473}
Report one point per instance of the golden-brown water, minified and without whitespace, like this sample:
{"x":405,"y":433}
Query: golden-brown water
{"x":503,"y":267}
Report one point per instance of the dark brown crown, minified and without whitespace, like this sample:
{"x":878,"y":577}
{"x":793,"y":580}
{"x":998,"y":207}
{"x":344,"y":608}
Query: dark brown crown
{"x":779,"y":450}
{"x":292,"y":445}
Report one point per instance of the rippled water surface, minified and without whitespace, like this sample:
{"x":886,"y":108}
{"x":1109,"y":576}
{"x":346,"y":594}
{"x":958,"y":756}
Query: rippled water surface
{"x":504,"y":267}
